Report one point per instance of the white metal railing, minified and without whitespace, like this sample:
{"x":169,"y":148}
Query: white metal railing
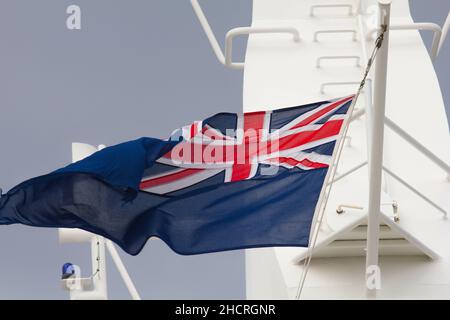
{"x":419,"y":26}
{"x":336,"y":5}
{"x":226,"y":59}
{"x":337,"y":83}
{"x":249,"y":30}
{"x":316,"y":34}
{"x":321,"y":58}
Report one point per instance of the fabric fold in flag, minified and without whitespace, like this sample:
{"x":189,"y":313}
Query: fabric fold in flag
{"x":231,"y":181}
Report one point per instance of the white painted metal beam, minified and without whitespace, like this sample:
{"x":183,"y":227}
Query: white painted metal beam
{"x":376,"y":153}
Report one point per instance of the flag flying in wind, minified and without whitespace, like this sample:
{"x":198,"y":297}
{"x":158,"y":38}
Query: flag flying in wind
{"x":231,"y":181}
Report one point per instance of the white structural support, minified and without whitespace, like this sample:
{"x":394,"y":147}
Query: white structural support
{"x":376,"y":147}
{"x":122,"y":270}
{"x":420,"y":26}
{"x":350,"y":239}
{"x":397,"y":129}
{"x":415,"y":191}
{"x":445,"y":28}
{"x":397,"y":178}
{"x":348,"y":172}
{"x":226,"y":59}
{"x":93,"y":287}
{"x":358,"y":113}
{"x":416,"y":144}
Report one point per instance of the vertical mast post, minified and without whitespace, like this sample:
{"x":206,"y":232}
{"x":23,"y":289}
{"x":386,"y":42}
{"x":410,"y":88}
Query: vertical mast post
{"x":376,"y":153}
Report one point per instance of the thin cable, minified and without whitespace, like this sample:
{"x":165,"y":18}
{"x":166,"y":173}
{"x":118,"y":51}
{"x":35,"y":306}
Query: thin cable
{"x":318,"y":223}
{"x":98,"y":261}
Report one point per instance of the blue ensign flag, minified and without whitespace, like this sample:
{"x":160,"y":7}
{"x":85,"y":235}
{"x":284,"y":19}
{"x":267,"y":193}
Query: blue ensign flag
{"x":231,"y":181}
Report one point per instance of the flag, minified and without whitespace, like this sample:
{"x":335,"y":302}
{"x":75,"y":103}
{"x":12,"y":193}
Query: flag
{"x":228,"y":182}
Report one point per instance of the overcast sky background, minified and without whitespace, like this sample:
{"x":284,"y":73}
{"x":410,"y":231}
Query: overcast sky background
{"x":137,"y":68}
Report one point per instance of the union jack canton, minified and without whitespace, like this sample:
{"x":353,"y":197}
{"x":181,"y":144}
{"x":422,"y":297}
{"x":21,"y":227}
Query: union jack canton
{"x":237,"y":145}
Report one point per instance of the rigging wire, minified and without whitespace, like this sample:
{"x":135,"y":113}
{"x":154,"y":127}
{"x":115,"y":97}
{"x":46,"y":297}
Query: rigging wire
{"x":317,"y":225}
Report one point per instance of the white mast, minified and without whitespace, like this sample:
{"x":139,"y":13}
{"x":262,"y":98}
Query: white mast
{"x":376,"y":152}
